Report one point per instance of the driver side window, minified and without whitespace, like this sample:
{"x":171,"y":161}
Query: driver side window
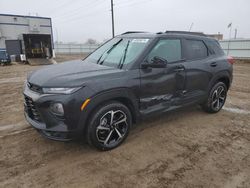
{"x":169,"y":49}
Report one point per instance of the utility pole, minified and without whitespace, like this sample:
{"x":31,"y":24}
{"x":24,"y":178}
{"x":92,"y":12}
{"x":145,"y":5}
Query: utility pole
{"x":229,"y":26}
{"x":235,"y":33}
{"x":112,"y":15}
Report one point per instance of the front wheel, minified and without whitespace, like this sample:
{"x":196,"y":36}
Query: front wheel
{"x":109,"y":126}
{"x":216,"y":99}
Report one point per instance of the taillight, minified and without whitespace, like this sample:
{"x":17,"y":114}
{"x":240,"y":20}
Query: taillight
{"x":230,"y":60}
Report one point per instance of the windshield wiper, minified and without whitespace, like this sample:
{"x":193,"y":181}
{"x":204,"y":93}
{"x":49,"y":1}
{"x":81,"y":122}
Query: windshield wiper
{"x":120,"y":65}
{"x":107,"y":52}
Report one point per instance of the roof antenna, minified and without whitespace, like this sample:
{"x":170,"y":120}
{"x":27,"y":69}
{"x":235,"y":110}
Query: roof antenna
{"x":191,"y":26}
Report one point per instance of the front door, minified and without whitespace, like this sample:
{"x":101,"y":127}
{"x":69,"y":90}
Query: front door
{"x":162,"y":88}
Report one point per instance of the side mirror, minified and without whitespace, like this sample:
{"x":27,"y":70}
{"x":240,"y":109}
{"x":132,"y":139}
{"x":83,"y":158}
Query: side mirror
{"x":157,"y":62}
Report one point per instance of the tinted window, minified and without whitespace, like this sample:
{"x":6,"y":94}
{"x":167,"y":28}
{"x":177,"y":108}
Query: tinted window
{"x":214,"y":47}
{"x":195,"y":49}
{"x":169,"y":49}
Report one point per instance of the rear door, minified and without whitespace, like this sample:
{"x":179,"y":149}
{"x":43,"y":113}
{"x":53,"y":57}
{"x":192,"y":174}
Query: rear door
{"x":198,"y":67}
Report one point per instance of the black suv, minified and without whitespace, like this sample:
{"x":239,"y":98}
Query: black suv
{"x":131,"y":76}
{"x":4,"y":58}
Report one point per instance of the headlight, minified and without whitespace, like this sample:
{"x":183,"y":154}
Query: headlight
{"x":60,"y":90}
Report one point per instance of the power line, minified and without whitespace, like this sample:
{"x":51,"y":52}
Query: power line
{"x":79,"y":9}
{"x":76,"y":18}
{"x":76,"y":14}
{"x":129,"y":4}
{"x":60,"y":6}
{"x":79,"y":17}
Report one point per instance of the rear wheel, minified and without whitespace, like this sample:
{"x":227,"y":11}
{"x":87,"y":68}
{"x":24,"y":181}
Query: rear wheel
{"x":109,"y":126}
{"x":216,"y":99}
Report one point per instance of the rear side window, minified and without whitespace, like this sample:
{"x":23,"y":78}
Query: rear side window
{"x":195,"y":49}
{"x":169,"y":49}
{"x":214,"y":47}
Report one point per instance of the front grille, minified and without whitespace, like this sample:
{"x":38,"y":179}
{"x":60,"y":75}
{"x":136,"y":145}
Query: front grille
{"x":31,"y":110}
{"x":35,"y":88}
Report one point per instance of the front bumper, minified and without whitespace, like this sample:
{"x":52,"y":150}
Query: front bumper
{"x":54,"y":134}
{"x":5,"y":61}
{"x":37,"y":112}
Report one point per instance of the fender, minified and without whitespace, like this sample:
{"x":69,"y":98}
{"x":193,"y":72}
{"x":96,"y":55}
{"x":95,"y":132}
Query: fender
{"x":116,"y":94}
{"x":123,"y":95}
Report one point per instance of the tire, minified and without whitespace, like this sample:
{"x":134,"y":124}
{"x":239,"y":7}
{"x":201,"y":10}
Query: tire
{"x":104,"y":132}
{"x":216,"y":98}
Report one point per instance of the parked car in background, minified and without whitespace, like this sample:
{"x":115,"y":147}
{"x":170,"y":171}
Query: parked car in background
{"x":130,"y":77}
{"x":4,"y":57}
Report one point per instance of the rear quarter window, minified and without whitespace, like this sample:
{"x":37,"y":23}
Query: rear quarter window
{"x":214,"y":47}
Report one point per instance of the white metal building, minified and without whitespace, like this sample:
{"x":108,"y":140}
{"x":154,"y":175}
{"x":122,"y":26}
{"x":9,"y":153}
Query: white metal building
{"x":29,"y":35}
{"x":238,"y":48}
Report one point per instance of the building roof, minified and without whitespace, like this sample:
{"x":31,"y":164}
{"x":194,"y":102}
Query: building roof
{"x":24,"y":16}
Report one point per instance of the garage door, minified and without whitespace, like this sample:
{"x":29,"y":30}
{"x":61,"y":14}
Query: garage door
{"x":13,"y":47}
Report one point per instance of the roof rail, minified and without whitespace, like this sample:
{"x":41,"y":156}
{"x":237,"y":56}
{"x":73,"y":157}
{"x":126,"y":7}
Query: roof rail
{"x":130,"y":32}
{"x":187,"y":32}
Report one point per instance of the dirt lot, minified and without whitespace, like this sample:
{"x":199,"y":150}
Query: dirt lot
{"x":188,"y":148}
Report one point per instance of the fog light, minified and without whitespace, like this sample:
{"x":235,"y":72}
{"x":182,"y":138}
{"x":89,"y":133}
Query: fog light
{"x":57,"y":108}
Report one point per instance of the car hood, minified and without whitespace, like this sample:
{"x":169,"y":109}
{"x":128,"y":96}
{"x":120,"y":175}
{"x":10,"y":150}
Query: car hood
{"x":71,"y":74}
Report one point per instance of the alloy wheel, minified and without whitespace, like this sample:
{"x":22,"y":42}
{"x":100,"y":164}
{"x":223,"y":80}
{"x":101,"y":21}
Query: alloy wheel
{"x":112,"y":128}
{"x":218,"y":98}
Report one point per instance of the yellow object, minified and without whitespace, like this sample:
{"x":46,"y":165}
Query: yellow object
{"x":36,"y":50}
{"x":86,"y":102}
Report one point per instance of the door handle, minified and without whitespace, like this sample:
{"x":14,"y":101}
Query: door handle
{"x":179,"y":69}
{"x":214,"y":64}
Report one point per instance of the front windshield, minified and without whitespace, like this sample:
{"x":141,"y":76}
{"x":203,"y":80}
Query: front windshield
{"x":118,"y":52}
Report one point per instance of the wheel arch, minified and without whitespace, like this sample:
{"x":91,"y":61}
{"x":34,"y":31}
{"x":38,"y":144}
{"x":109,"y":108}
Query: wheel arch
{"x":221,"y":77}
{"x":123,"y":95}
{"x":225,"y":80}
{"x":127,"y":102}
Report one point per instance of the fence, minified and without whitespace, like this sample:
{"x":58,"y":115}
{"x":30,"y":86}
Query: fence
{"x":238,"y":48}
{"x":64,"y":48}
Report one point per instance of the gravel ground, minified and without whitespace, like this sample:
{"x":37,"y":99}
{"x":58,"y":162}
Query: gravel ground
{"x":186,"y":148}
